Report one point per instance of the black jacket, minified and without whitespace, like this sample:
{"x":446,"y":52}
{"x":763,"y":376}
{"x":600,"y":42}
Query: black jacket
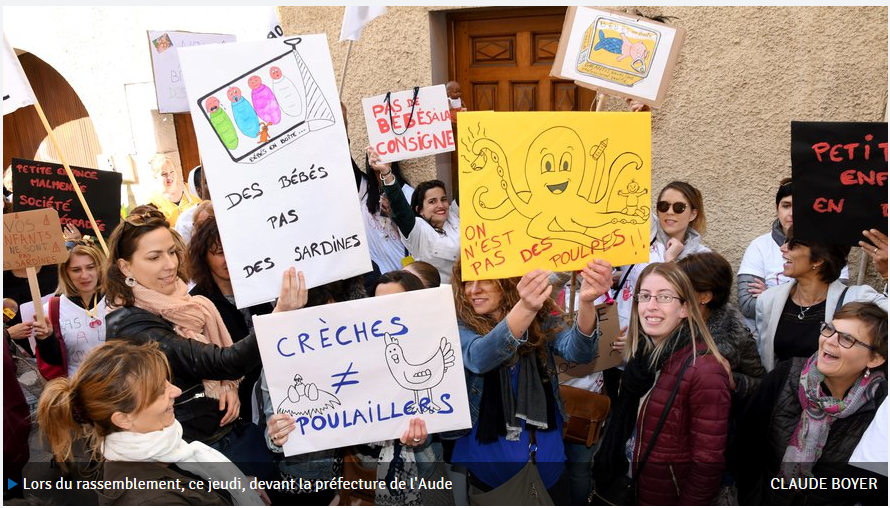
{"x":736,"y":343}
{"x":190,"y":362}
{"x":771,"y":417}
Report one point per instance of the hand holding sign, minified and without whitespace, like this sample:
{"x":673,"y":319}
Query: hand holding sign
{"x":877,"y":249}
{"x":294,"y":293}
{"x":596,"y":279}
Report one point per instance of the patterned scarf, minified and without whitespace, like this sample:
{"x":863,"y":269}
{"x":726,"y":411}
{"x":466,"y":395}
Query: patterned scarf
{"x":819,"y":412}
{"x":193,"y":317}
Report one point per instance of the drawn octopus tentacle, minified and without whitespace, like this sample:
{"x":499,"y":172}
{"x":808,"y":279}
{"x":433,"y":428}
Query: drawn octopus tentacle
{"x":496,"y":155}
{"x":498,"y":212}
{"x":539,"y":228}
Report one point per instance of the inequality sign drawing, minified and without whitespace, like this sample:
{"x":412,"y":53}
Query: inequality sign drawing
{"x":358,"y":371}
{"x":552,"y":191}
{"x":277,"y":161}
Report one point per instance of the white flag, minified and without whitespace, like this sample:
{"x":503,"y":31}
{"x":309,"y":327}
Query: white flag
{"x":17,"y":91}
{"x":355,"y":19}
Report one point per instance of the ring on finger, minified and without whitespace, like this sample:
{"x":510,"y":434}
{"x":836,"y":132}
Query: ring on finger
{"x":876,"y":250}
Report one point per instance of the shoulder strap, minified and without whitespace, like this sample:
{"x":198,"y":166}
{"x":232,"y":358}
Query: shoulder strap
{"x":840,"y":301}
{"x":667,"y":408}
{"x":623,"y":280}
{"x":54,"y":304}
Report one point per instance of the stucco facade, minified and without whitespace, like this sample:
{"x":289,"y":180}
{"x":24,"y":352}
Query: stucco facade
{"x":743,"y":75}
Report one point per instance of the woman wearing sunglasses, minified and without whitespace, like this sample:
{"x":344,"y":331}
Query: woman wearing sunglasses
{"x":788,"y":315}
{"x":681,"y":220}
{"x":149,"y":302}
{"x":670,"y":351}
{"x":808,"y":415}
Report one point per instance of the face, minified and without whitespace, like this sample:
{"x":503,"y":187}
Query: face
{"x":388,"y":288}
{"x":234,"y":94}
{"x":275,"y":72}
{"x":659,"y":320}
{"x":453,"y":90}
{"x":485,"y":297}
{"x":158,"y":415}
{"x":170,"y":178}
{"x":211,"y":105}
{"x":216,"y":259}
{"x":254,"y":82}
{"x":797,"y":261}
{"x":554,"y":164}
{"x":672,"y":223}
{"x":154,"y":263}
{"x":84,"y":273}
{"x":839,"y":363}
{"x":784,"y":213}
{"x":435,"y":206}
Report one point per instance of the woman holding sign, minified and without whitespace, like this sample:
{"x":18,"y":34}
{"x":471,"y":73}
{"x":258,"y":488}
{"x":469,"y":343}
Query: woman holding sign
{"x":509,"y":331}
{"x":430,"y":226}
{"x":149,"y":302}
{"x":121,"y":400}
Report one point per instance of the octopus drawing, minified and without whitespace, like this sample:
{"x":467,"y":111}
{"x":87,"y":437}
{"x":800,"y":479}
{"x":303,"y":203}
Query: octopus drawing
{"x":564,"y":200}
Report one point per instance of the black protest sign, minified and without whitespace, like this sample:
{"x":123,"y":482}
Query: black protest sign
{"x":38,"y":185}
{"x":840,"y":178}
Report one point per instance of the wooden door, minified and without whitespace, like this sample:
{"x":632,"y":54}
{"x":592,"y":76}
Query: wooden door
{"x":502,"y":60}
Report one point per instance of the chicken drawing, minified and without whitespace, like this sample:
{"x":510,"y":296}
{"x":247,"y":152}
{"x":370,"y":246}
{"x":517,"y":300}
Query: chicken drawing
{"x":419,"y":377}
{"x":306,"y":399}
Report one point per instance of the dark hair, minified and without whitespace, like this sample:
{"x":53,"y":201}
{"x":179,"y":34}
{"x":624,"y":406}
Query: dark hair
{"x":709,"y":271}
{"x":205,"y":239}
{"x":874,"y":319}
{"x":427,"y":273}
{"x":420,"y":193}
{"x":833,"y":257}
{"x":122,"y":244}
{"x":343,"y":290}
{"x":374,"y":188}
{"x":407,"y":280}
{"x":695,"y":199}
{"x":786,"y":188}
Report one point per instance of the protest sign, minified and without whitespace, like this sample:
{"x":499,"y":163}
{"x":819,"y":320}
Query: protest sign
{"x":534,"y":194}
{"x":17,"y":92}
{"x":169,"y":81}
{"x":839,"y":171}
{"x":276,"y":157}
{"x":32,"y":238}
{"x":357,"y":371}
{"x":606,"y":357}
{"x":618,"y":54}
{"x":37,"y":185}
{"x":409,"y":124}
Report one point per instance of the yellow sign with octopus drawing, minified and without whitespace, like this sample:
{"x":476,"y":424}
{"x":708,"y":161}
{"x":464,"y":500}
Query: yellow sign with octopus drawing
{"x":552,"y":190}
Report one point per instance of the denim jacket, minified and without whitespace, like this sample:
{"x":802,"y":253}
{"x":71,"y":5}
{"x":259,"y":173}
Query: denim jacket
{"x":482,"y":353}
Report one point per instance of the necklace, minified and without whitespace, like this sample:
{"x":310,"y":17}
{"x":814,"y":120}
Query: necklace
{"x":95,"y":322}
{"x":803,"y":310}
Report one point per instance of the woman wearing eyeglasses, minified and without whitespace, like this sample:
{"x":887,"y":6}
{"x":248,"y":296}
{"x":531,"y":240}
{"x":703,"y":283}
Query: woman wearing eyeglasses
{"x":77,"y":314}
{"x":149,"y":302}
{"x":788,"y":315}
{"x":681,"y":220}
{"x":670,"y":351}
{"x":808,"y":415}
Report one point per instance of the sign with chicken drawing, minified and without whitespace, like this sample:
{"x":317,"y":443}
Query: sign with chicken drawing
{"x":358,"y":371}
{"x":618,"y":53}
{"x":552,"y":190}
{"x":277,"y":162}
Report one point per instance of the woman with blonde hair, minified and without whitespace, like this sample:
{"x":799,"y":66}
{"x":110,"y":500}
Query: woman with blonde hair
{"x":674,"y":400}
{"x":121,"y":402}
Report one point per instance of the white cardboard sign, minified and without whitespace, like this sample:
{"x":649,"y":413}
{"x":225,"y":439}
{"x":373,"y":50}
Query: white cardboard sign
{"x":169,"y":82}
{"x":408,"y":124}
{"x":358,"y":371}
{"x":277,"y":162}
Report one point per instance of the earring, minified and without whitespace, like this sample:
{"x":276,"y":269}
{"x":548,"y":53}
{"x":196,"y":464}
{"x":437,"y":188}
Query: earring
{"x":814,"y":267}
{"x":867,"y":372}
{"x":130,"y":281}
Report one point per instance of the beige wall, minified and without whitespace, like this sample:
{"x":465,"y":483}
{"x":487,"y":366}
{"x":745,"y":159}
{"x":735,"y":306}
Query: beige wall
{"x":743,"y":75}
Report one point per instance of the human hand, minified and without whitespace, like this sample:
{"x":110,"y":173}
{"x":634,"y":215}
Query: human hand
{"x":416,"y":433}
{"x":376,"y":164}
{"x":70,"y":233}
{"x":230,"y":402}
{"x":756,"y":287}
{"x":621,"y":342}
{"x":728,"y":368}
{"x":596,"y":279}
{"x":42,"y":330}
{"x":534,"y":290}
{"x":877,"y":249}
{"x":673,"y":249}
{"x":279,"y":426}
{"x":21,"y":330}
{"x":294,"y":294}
{"x":637,"y":106}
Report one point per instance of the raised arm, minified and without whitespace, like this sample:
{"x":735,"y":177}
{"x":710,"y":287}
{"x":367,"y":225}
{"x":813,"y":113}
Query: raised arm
{"x":400,"y":209}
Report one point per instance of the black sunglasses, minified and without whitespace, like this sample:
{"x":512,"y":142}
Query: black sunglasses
{"x":664,"y":206}
{"x":793,"y":242}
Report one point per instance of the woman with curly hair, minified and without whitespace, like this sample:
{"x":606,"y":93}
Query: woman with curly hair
{"x":509,"y":331}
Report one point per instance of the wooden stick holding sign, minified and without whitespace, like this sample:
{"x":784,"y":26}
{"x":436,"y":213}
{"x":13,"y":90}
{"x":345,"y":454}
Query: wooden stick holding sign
{"x":74,"y":184}
{"x":30,"y":240}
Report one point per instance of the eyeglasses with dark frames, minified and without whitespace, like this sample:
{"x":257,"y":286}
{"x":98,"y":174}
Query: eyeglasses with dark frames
{"x":661,"y":299}
{"x":846,"y":340}
{"x":664,"y":206}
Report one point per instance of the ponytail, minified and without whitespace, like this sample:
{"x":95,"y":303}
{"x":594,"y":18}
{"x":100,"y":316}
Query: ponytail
{"x":55,"y":415}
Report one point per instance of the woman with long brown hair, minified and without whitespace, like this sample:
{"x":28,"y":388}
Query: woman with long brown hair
{"x":509,"y":331}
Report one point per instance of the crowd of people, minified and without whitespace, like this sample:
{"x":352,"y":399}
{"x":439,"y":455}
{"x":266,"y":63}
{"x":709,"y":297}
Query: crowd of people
{"x":149,"y":361}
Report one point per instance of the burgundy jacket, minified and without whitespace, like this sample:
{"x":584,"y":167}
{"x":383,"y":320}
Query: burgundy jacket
{"x":687,"y":462}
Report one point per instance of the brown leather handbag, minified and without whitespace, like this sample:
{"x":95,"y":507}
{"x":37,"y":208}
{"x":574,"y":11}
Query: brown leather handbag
{"x":587,"y":414}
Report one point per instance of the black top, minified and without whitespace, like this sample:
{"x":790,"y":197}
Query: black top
{"x":798,"y":337}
